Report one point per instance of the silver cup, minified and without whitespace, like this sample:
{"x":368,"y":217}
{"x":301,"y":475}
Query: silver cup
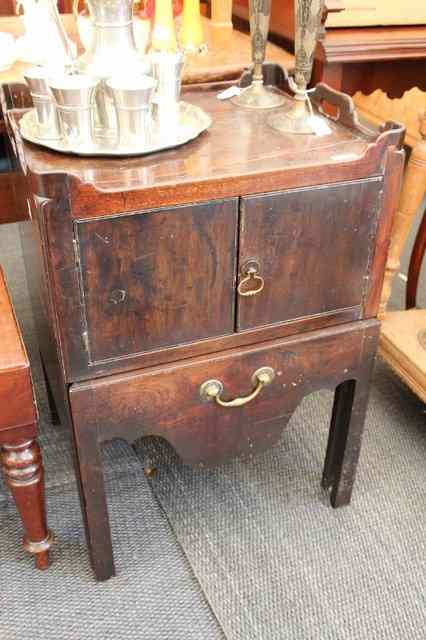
{"x":132,"y":97}
{"x":167,"y":70}
{"x":47,"y":117}
{"x":74,"y":97}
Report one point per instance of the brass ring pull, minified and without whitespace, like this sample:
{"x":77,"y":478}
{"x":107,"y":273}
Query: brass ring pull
{"x":213,"y":389}
{"x":251,"y":271}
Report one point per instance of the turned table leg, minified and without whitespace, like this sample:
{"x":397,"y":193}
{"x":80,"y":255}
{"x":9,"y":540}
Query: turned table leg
{"x":23,"y":469}
{"x":412,"y":195}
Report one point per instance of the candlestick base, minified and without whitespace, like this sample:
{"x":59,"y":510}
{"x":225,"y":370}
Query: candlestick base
{"x":297,"y":119}
{"x":257,"y":96}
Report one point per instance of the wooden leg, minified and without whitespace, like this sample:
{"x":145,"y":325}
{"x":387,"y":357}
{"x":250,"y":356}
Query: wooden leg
{"x":54,"y":415}
{"x":344,"y":442}
{"x":346,"y":429}
{"x":93,"y":504}
{"x":23,"y":469}
{"x":416,"y":261}
{"x":343,"y":399}
{"x":413,"y":192}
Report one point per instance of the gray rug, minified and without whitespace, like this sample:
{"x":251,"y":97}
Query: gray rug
{"x":155,"y":595}
{"x":276,"y":561}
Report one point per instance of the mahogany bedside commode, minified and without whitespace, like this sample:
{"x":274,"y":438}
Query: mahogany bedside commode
{"x":199,"y":294}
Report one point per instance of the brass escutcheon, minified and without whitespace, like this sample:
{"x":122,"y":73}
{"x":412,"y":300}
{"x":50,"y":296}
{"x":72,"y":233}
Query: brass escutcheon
{"x":213,"y":389}
{"x":251,"y":272}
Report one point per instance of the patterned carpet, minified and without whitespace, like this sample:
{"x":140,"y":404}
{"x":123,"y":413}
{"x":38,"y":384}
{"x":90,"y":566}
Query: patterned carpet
{"x":250,"y":550}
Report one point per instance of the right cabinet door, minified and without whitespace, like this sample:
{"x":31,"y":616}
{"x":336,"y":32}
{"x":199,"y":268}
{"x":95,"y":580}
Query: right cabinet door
{"x":307,"y":252}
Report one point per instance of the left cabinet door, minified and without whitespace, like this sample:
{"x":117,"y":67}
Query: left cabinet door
{"x":157,"y":278}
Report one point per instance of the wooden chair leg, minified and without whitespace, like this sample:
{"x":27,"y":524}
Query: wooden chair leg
{"x":23,"y":469}
{"x":94,"y":504}
{"x":412,"y":195}
{"x":416,"y":260}
{"x":346,"y":429}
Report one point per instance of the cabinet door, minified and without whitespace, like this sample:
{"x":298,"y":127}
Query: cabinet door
{"x":157,"y":278}
{"x":310,"y":248}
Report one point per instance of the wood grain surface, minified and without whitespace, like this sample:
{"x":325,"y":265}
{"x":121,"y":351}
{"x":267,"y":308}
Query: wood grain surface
{"x":314,"y":249}
{"x":158,"y":278}
{"x":240,"y":154}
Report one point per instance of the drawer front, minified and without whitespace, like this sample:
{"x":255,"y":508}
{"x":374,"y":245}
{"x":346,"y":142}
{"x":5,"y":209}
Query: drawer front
{"x":313,"y":249}
{"x":171,"y":401}
{"x":157,"y":278}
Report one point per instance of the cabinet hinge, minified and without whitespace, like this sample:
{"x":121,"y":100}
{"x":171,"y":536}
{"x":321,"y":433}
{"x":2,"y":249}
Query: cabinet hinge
{"x":85,"y":339}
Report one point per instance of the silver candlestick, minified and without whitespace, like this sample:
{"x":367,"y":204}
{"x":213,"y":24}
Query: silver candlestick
{"x":297,"y":119}
{"x":257,"y":96}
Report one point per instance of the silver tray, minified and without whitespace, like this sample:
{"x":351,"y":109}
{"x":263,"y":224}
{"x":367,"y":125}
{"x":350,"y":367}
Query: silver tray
{"x":192,"y":122}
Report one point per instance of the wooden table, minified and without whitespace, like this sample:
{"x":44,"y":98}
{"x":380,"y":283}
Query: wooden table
{"x":20,"y":456}
{"x":194,"y":295}
{"x":229,"y":53}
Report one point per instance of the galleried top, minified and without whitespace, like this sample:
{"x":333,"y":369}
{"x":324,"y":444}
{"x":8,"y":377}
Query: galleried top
{"x":240,"y":154}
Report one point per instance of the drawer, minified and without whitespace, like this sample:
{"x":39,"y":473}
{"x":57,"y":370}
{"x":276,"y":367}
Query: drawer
{"x":311,"y":249}
{"x":173,"y":401}
{"x":157,"y":278}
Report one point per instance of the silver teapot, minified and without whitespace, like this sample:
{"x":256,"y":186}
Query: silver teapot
{"x":112,"y":49}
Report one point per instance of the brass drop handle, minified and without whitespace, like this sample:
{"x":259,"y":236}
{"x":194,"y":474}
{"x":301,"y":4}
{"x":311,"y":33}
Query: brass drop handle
{"x":251,"y":272}
{"x":213,"y":389}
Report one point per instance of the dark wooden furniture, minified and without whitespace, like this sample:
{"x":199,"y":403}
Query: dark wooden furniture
{"x":241,"y":251}
{"x":20,"y":455}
